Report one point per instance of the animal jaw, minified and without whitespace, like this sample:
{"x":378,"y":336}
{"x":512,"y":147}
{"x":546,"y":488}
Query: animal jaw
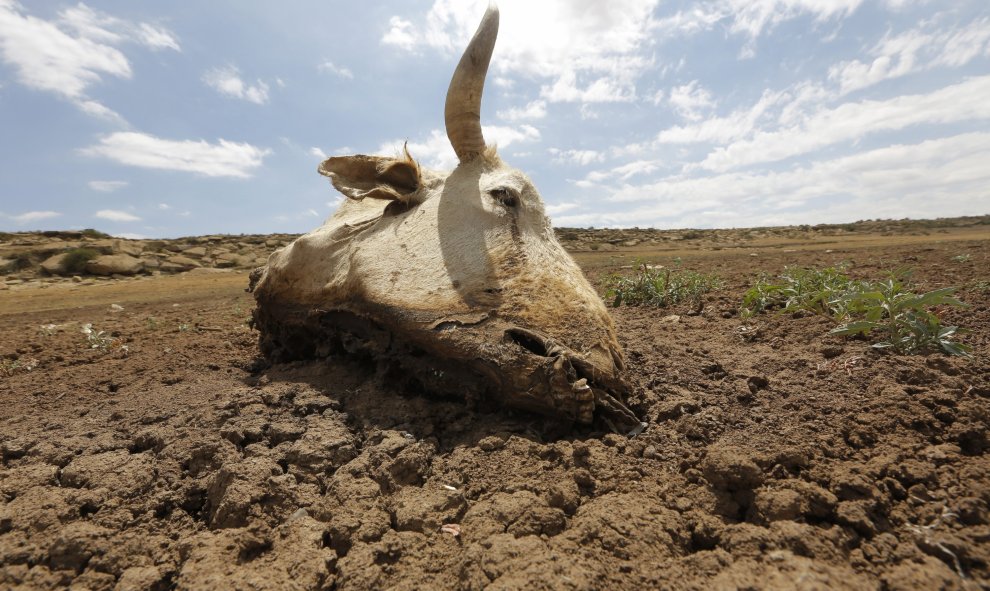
{"x":454,"y":279}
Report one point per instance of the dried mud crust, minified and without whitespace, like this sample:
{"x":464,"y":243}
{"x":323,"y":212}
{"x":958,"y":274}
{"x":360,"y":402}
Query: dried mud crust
{"x":776,"y":457}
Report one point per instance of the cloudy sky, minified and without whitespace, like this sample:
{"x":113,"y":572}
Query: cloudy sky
{"x":154,"y":119}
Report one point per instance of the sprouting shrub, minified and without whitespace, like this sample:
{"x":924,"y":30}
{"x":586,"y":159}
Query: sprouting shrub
{"x":75,"y":260}
{"x":91,"y":233}
{"x":105,"y":343}
{"x":902,"y":319}
{"x":659,"y":286}
{"x":813,"y":290}
{"x":887,"y":310}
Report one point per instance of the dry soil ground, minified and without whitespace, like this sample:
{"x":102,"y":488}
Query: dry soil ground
{"x":776,"y":457}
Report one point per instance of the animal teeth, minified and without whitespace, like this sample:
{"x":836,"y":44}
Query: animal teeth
{"x":581,"y":385}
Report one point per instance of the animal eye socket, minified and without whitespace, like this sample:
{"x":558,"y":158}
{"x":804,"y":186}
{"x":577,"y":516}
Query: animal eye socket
{"x":504,"y":196}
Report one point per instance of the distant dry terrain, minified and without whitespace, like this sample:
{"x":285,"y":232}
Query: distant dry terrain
{"x":157,"y":451}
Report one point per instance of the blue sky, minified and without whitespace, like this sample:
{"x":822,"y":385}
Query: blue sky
{"x":151,"y":119}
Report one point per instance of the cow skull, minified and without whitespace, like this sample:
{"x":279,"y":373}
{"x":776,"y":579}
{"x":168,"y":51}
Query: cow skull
{"x":454,"y":281}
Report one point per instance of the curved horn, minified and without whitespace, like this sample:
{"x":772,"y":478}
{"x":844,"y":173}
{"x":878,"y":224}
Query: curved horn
{"x":462,"y":113}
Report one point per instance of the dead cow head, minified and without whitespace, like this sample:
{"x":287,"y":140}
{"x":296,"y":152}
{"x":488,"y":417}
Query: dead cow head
{"x":455,"y":280}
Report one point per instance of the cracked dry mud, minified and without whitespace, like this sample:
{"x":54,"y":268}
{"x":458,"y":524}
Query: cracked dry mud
{"x":775,"y":457}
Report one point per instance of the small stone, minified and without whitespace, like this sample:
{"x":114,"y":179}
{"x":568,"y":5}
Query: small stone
{"x":583,"y":478}
{"x":832,"y":352}
{"x":731,"y":469}
{"x":491,"y":443}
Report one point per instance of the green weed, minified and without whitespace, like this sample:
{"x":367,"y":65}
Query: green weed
{"x":9,"y":367}
{"x":813,"y":290}
{"x":901,"y":318}
{"x":888,"y":310}
{"x":659,"y":287}
{"x":961,"y":258}
{"x":106,"y":343}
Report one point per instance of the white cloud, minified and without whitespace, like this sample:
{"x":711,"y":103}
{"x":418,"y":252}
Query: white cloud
{"x":690,"y":100}
{"x":225,"y":158}
{"x":751,"y":18}
{"x":115,"y":215}
{"x":533,"y":110}
{"x":435,"y":151}
{"x":66,"y":56}
{"x":318,"y":153}
{"x":157,"y":38}
{"x":106,"y":186}
{"x":578,"y":157}
{"x":130,"y":236}
{"x":912,"y":51}
{"x":400,"y":33}
{"x":851,"y":121}
{"x":164,"y":206}
{"x":227,"y":81}
{"x":622,"y":172}
{"x":934,"y":178}
{"x":736,"y":125}
{"x":102,"y":27}
{"x":100,"y":111}
{"x":601,"y":90}
{"x":329,"y":66}
{"x":34,"y":216}
{"x":559,"y":208}
{"x":585,"y":50}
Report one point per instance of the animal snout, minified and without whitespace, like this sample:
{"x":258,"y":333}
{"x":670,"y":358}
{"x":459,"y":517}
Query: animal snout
{"x":529,"y":340}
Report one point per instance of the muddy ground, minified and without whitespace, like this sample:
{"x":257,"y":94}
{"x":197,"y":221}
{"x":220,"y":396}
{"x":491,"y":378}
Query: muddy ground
{"x":776,"y":457}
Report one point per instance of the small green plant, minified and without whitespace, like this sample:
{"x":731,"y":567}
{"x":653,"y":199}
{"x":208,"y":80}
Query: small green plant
{"x":91,"y":233}
{"x":9,"y":367}
{"x":901,"y":318}
{"x":961,"y":258}
{"x":151,"y":323}
{"x":75,"y":260}
{"x":813,"y":290}
{"x":99,"y":339}
{"x":887,"y":309}
{"x":659,"y":286}
{"x":47,"y":330}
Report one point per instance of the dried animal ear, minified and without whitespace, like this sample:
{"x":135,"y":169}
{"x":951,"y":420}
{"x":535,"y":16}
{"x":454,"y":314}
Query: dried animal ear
{"x":362,"y":176}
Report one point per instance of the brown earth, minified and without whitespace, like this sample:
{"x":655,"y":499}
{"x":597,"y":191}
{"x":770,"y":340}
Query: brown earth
{"x":776,"y":457}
